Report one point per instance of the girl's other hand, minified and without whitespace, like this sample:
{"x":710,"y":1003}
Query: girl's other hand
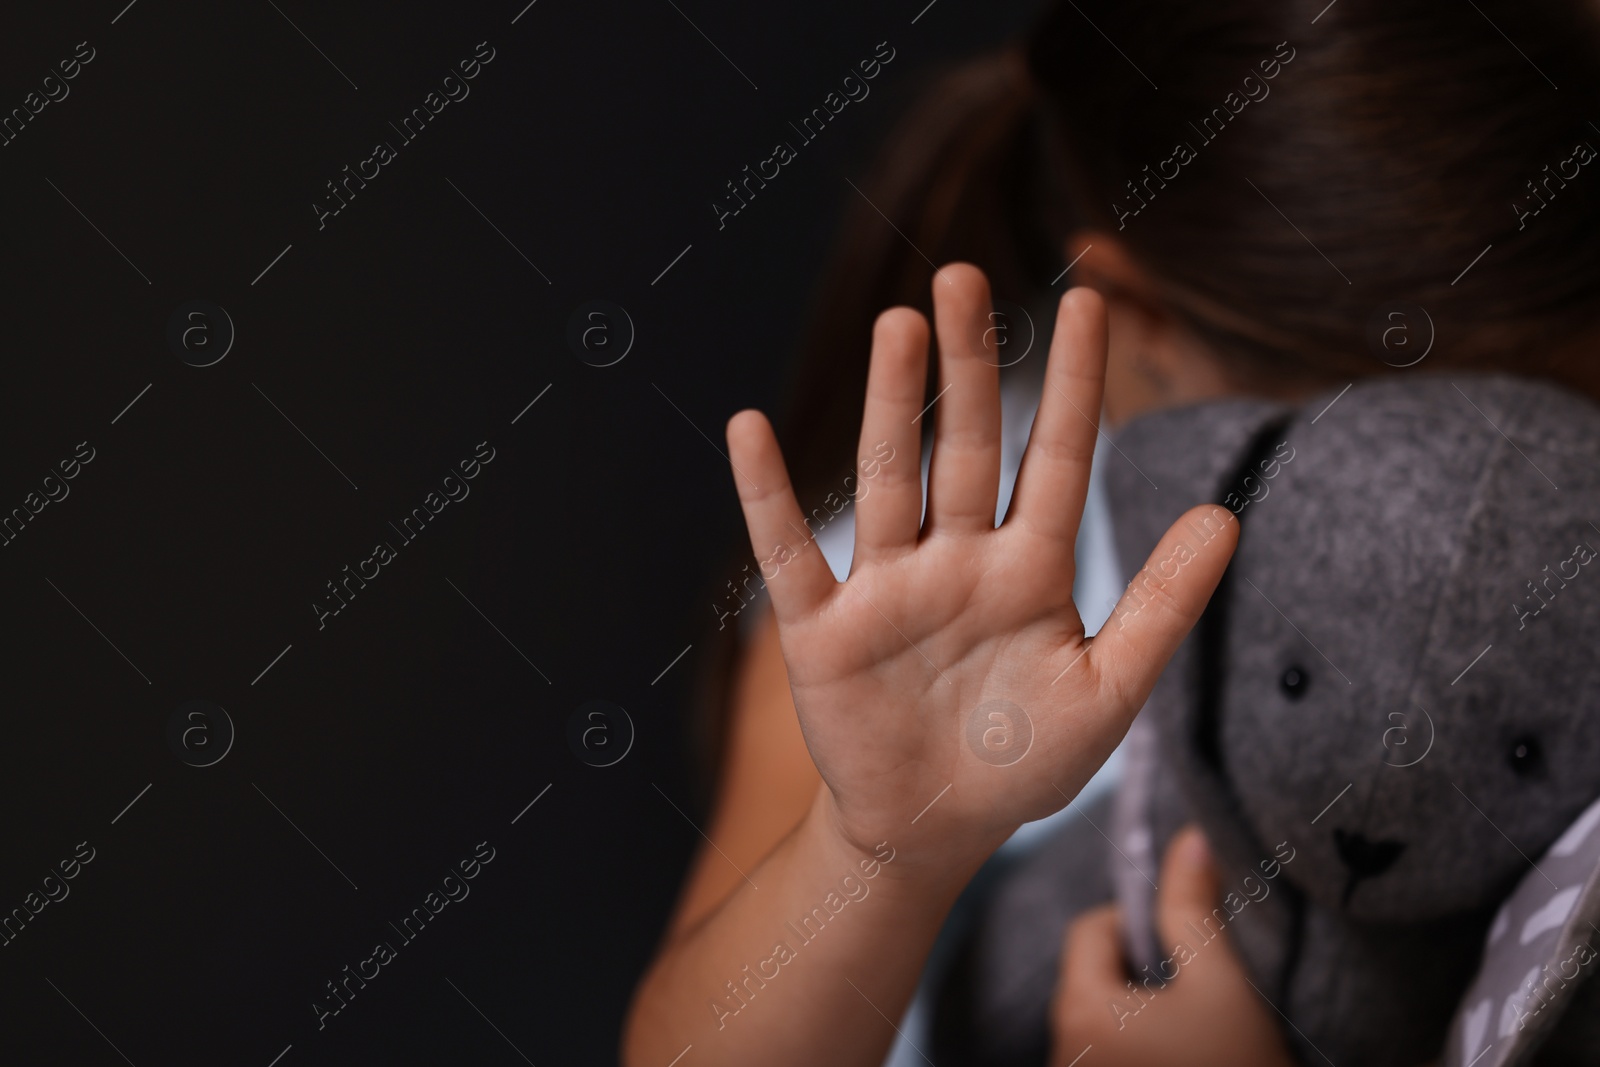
{"x":1208,"y":1016}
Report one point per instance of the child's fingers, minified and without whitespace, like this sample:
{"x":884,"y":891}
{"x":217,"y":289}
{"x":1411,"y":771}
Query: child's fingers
{"x":1091,"y":961}
{"x":1054,"y":478}
{"x":1163,"y":602}
{"x":1189,"y":890}
{"x":791,"y":563}
{"x":1092,"y":976}
{"x":889,"y":460}
{"x":964,"y":479}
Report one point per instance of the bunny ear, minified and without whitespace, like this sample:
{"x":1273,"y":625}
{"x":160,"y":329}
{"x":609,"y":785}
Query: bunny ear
{"x":1540,"y":955}
{"x":1169,"y":461}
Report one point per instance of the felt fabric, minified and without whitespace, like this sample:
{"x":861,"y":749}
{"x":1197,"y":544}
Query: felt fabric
{"x":1392,"y":702}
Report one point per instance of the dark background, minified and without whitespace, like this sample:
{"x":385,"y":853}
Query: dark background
{"x":379,"y":750}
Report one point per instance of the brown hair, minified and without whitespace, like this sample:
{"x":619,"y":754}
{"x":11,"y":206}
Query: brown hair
{"x":1398,"y":137}
{"x":1340,"y":158}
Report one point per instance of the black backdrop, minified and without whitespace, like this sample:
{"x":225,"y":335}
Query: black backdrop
{"x":373,"y":351}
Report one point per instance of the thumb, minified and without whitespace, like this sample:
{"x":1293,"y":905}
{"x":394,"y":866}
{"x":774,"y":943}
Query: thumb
{"x":1164,"y":601}
{"x":1190,"y":888}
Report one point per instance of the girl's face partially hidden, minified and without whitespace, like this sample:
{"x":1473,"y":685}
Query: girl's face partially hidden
{"x":1155,"y":361}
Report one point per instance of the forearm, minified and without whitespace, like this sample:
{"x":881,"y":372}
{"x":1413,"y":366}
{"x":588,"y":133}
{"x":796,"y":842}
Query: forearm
{"x":808,"y":962}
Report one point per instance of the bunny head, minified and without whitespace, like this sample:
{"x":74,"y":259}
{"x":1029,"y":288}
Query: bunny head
{"x":1396,"y":683}
{"x":1387,"y":722}
{"x":1410,"y":687}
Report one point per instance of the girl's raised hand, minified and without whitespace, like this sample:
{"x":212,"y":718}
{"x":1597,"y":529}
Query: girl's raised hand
{"x":948,"y":680}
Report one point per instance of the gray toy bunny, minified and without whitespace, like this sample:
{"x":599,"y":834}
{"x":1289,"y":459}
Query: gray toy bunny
{"x":1387,"y":724}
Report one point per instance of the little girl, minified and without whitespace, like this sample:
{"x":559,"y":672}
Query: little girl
{"x":1262,"y":198}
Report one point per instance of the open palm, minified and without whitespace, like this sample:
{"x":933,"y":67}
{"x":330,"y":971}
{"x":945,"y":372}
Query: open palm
{"x":948,"y":680}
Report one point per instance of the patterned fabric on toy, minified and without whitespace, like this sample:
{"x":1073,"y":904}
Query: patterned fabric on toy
{"x":1539,"y":951}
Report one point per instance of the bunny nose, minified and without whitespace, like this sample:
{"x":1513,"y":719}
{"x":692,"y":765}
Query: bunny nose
{"x":1364,"y":858}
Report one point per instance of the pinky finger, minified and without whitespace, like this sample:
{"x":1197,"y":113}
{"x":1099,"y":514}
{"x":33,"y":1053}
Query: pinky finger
{"x":790,"y":562}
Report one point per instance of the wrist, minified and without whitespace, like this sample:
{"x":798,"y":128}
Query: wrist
{"x":925,"y":867}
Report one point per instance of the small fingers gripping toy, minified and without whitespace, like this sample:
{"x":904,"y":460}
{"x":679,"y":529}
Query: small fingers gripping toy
{"x":1387,"y":724}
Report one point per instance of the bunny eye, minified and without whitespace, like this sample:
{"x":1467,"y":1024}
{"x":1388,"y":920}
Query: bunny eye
{"x":1527,"y":756}
{"x":1294,"y":682}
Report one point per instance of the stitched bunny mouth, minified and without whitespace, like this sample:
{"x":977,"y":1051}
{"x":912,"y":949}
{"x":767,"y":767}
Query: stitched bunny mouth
{"x":1364,"y":858}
